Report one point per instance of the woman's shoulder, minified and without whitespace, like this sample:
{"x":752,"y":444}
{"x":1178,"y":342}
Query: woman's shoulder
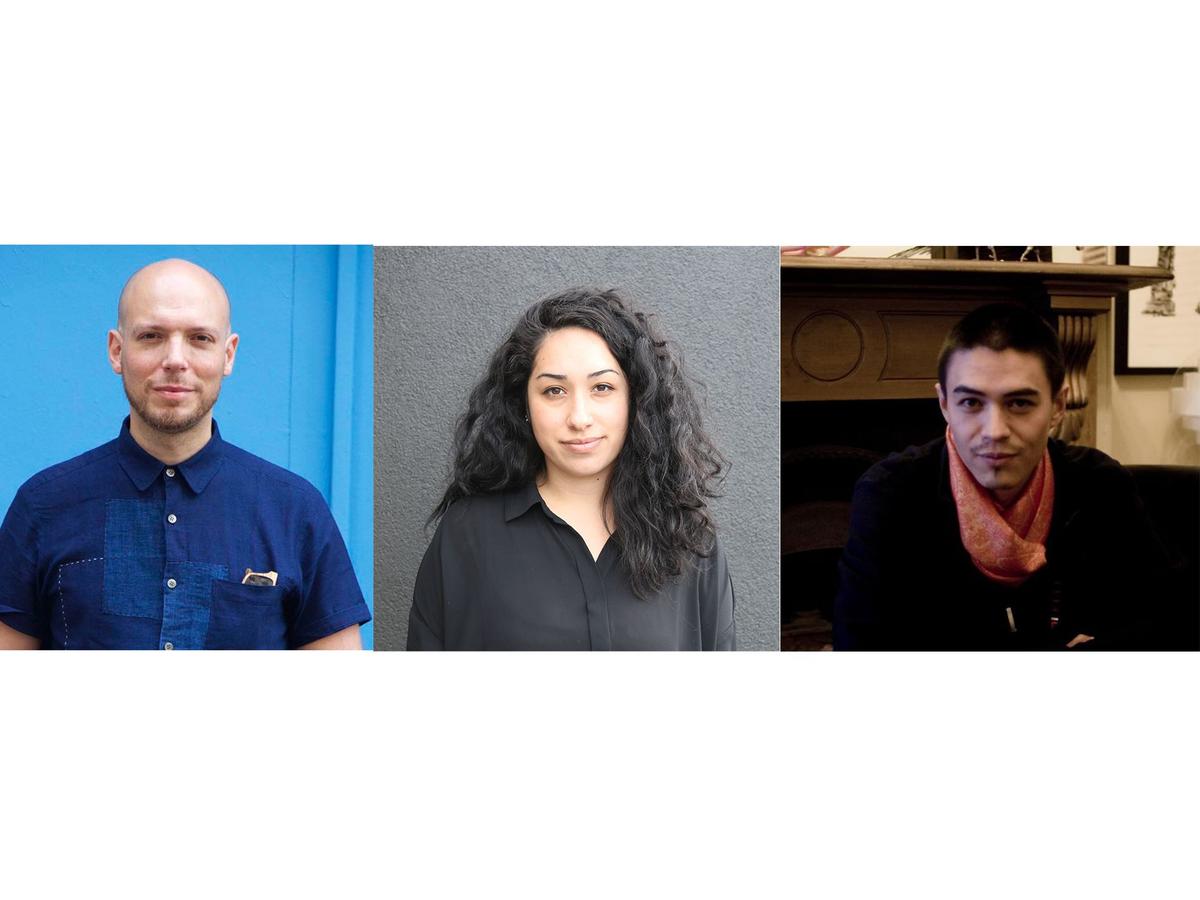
{"x":709,"y":565}
{"x":486,"y":510}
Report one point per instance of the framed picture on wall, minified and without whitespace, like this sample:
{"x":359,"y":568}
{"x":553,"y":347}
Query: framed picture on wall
{"x":1158,"y":327}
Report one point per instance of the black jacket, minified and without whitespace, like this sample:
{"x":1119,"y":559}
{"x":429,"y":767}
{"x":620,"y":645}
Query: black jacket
{"x":907,"y":582}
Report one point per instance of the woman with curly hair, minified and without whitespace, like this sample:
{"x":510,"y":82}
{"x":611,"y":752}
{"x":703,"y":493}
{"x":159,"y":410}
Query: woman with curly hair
{"x":576,"y":516}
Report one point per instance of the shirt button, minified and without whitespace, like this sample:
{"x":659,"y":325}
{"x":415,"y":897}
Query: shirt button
{"x":171,"y":582}
{"x":168,"y":646}
{"x":170,"y":473}
{"x":171,"y":518}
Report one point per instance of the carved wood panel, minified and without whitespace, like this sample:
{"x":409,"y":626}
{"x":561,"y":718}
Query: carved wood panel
{"x":863,"y":349}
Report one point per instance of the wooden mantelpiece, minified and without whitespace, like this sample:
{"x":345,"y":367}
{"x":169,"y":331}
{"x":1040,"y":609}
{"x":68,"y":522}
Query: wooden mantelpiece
{"x":870,"y":329}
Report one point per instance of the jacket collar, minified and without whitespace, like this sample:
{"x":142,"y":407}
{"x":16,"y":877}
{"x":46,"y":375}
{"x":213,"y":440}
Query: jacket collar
{"x":143,"y":469}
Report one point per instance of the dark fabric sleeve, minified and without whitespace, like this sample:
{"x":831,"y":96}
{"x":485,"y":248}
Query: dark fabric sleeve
{"x":331,"y":599}
{"x":1133,"y":593}
{"x":718,"y":603}
{"x":426,"y":617}
{"x":863,"y":615}
{"x":19,"y":605}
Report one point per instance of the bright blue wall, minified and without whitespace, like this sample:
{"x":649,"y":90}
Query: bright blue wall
{"x":301,"y":390}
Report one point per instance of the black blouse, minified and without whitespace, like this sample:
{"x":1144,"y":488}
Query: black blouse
{"x":505,"y":573}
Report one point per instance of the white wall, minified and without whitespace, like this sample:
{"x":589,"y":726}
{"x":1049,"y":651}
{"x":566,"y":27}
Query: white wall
{"x":1136,"y":425}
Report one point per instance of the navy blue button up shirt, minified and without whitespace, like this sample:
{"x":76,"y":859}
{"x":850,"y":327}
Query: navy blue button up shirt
{"x":115,"y":550}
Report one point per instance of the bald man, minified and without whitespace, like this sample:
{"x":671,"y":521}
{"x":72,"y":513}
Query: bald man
{"x":168,"y":537}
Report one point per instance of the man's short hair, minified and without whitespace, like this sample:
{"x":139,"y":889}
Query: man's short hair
{"x":1006,"y":326}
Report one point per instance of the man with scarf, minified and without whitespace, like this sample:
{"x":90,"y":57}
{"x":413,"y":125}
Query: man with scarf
{"x":996,"y":536}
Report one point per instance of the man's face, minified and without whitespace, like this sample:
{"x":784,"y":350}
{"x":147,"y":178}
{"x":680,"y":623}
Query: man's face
{"x":173,"y":346}
{"x":1000,"y":410}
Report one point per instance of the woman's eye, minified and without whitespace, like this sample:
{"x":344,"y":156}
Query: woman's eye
{"x":603,"y":388}
{"x":554,"y":391}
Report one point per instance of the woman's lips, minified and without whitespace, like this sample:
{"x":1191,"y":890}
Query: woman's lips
{"x":582,"y":446}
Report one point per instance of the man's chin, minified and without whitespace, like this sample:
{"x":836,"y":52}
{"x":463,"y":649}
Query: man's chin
{"x":174,"y":422}
{"x":988,"y":480}
{"x":171,"y":420}
{"x":172,"y":427}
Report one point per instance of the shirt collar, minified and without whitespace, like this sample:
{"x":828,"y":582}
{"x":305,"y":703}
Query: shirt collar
{"x":142,"y":468}
{"x":520,"y":501}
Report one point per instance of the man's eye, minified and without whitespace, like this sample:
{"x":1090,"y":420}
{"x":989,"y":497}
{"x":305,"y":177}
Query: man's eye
{"x":1021,"y":403}
{"x":203,"y":338}
{"x":969,"y":402}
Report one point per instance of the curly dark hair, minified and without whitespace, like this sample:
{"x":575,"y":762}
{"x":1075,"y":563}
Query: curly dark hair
{"x":668,"y":467}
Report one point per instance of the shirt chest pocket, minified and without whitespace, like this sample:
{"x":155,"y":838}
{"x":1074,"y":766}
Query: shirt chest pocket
{"x":247,"y":617}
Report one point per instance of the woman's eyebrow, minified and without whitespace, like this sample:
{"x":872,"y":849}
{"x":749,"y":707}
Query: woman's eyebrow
{"x":564,"y":377}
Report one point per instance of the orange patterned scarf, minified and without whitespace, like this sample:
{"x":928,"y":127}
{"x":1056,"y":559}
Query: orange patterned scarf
{"x":1006,"y":544}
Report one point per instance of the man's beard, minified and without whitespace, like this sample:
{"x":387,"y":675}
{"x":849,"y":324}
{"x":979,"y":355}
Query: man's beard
{"x":170,"y":421}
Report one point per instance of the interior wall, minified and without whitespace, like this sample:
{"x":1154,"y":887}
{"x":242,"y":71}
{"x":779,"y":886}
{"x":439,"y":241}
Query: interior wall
{"x":1134,"y":418}
{"x":1144,"y":431}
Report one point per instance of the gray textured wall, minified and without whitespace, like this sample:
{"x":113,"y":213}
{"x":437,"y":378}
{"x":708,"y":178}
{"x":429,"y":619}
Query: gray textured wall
{"x":441,"y":311}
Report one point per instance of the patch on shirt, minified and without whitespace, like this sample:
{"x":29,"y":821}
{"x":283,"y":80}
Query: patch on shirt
{"x":134,"y":549}
{"x":136,"y":575}
{"x":186,"y":612}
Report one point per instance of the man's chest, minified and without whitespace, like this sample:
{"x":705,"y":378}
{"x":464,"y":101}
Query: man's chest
{"x":165,"y":568}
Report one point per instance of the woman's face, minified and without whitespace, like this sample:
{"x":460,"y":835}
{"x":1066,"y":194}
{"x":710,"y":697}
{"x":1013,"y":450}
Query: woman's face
{"x":578,"y":405}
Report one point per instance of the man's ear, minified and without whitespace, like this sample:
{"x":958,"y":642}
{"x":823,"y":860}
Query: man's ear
{"x":942,"y":402}
{"x":231,"y":345}
{"x":1060,"y":407}
{"x":114,"y":350}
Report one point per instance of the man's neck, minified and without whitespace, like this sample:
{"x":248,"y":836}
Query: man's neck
{"x":1007,"y":498}
{"x":170,"y":449}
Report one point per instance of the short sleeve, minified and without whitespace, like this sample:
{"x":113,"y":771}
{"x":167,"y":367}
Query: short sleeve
{"x":19,"y":604}
{"x":331,"y":599}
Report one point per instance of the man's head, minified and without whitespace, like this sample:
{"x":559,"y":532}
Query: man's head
{"x":1000,"y":387}
{"x":172,"y":345}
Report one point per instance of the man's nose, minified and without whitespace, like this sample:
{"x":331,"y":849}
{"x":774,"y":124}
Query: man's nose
{"x":176,"y":353}
{"x":995,"y":423}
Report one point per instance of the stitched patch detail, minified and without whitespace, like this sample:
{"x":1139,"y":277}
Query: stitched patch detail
{"x":62,"y":603}
{"x":134,"y":549}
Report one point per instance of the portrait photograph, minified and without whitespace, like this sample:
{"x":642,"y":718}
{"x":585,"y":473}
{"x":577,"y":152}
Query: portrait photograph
{"x":576,"y":448}
{"x":966,"y":466}
{"x":186,"y":447}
